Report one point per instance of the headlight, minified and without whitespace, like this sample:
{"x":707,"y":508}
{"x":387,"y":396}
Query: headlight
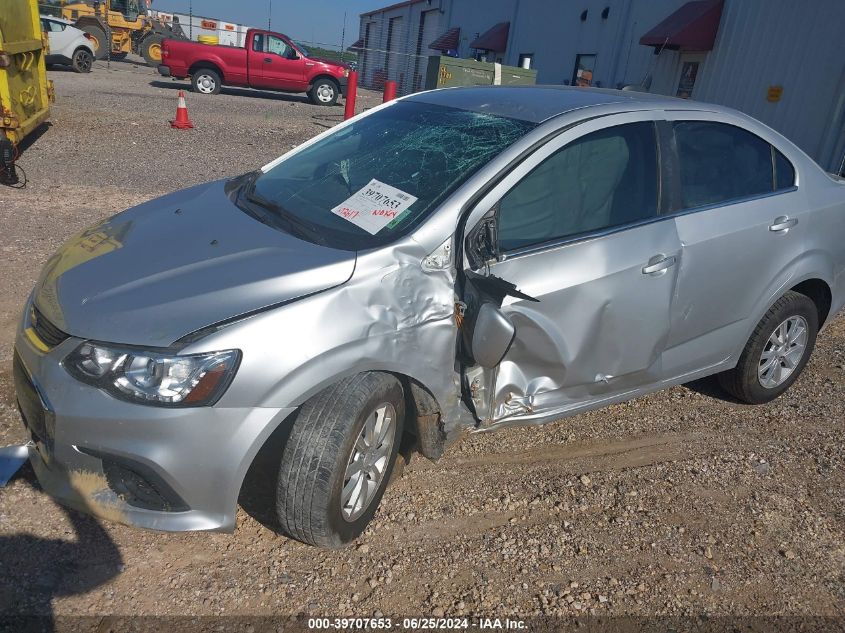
{"x":346,"y":72}
{"x":146,"y":377}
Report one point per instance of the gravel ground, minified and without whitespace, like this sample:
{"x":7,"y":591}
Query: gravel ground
{"x":680,"y":503}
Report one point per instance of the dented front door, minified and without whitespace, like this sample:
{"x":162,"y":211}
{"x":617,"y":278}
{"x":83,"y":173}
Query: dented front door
{"x":599,"y":327}
{"x":576,"y":228}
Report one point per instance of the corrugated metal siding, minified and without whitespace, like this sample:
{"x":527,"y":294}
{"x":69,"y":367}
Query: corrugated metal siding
{"x":797,"y":45}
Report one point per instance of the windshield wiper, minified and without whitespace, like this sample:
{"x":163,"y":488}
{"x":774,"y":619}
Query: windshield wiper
{"x":283,"y":219}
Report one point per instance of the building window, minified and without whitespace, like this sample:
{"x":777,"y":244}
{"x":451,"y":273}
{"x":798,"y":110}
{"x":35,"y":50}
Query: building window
{"x":526,"y":60}
{"x":585,"y":65}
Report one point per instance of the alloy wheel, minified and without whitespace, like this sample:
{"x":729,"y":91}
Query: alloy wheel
{"x":368,"y":462}
{"x":783,"y":352}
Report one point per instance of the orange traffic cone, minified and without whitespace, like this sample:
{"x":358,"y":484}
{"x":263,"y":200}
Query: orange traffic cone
{"x":182,"y":121}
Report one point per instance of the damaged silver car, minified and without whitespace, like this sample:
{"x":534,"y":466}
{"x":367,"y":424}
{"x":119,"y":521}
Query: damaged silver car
{"x":455,"y":261}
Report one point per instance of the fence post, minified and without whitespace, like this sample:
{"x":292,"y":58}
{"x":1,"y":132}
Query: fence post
{"x":389,"y":91}
{"x":351,"y":94}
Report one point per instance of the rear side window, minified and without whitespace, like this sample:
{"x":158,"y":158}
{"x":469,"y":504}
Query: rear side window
{"x":784,"y":171}
{"x":604,"y":179}
{"x":258,"y":42}
{"x":721,"y":162}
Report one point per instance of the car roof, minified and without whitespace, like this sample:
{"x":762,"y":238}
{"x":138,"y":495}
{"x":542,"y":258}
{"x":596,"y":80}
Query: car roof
{"x":55,"y":19}
{"x":540,"y":103}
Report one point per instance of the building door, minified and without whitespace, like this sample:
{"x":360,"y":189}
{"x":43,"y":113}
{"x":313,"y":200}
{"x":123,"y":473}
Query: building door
{"x":366,"y":56}
{"x":585,"y":66}
{"x":394,"y":63}
{"x":429,"y":28}
{"x":689,"y":68}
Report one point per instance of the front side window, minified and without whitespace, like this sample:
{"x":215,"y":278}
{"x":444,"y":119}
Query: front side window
{"x":277,"y":46}
{"x":410,"y":155}
{"x":604,"y":179}
{"x":720,"y":163}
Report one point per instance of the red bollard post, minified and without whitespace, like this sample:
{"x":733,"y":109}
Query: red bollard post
{"x":351,"y":94}
{"x":389,"y":91}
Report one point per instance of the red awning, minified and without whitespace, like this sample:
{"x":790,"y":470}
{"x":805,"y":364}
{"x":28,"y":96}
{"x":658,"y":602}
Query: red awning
{"x":448,"y":41}
{"x":357,"y":45}
{"x":693,"y":27}
{"x":496,"y":39}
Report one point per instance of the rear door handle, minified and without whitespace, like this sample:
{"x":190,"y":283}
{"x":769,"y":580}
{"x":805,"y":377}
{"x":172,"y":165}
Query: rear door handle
{"x":658,"y":264}
{"x":783,"y":224}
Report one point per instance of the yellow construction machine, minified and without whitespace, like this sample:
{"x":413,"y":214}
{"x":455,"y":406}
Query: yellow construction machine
{"x":25,"y":92}
{"x":118,"y":27}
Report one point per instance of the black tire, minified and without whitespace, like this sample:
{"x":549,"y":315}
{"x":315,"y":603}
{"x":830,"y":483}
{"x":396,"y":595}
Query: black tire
{"x":101,"y":43}
{"x":742,"y":381}
{"x":317,"y":454}
{"x":324,"y":92}
{"x":148,"y":47}
{"x":82,"y":61}
{"x":206,"y":81}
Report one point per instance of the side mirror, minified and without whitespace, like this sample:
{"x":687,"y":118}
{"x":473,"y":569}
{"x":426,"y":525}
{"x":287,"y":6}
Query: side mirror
{"x":492,"y":336}
{"x":292,"y":54}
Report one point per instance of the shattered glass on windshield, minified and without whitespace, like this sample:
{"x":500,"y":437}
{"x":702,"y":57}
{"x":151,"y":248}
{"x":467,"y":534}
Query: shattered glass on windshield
{"x":423,"y":150}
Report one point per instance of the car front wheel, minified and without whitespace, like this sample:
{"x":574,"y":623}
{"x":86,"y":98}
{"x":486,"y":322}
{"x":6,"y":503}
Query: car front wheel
{"x":777,"y":351}
{"x":338,"y":459}
{"x":323,"y":92}
{"x":82,"y":61}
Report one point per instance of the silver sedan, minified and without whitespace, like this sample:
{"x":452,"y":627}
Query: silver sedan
{"x":455,"y":261}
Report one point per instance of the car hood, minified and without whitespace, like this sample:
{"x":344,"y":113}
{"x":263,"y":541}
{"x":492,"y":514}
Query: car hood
{"x":329,"y":62}
{"x":166,"y":268}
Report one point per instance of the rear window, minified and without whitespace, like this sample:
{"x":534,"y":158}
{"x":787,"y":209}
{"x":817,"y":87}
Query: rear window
{"x":721,"y":162}
{"x":407,"y":157}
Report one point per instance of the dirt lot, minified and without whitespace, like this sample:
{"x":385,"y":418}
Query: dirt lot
{"x":681,"y":503}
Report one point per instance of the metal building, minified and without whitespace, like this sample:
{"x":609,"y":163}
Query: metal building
{"x":780,"y":61}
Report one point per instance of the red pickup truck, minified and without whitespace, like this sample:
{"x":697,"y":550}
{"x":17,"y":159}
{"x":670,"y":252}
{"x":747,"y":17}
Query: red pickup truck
{"x":270,"y":61}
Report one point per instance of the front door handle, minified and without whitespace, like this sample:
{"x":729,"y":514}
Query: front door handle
{"x":782,"y":224}
{"x":658,"y":265}
{"x":268,"y":60}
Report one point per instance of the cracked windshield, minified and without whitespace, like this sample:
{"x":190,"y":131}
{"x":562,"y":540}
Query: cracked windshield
{"x":370,"y":182}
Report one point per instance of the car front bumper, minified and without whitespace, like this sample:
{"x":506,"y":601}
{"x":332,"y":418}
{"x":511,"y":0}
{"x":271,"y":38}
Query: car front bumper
{"x":161,"y":468}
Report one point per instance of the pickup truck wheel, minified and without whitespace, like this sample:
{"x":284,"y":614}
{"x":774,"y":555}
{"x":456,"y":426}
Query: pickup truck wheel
{"x":82,"y":61}
{"x":323,"y":92}
{"x":338,"y":459}
{"x":777,"y":351}
{"x":206,"y":81}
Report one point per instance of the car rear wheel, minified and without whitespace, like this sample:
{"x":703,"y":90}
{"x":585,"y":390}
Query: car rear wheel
{"x":99,"y":41}
{"x":324,"y":92}
{"x":339,"y":458}
{"x":777,"y":351}
{"x":206,"y":81}
{"x":82,"y":61}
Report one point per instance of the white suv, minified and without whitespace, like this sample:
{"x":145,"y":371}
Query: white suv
{"x":68,"y":44}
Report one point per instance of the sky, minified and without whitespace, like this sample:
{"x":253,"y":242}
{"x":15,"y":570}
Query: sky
{"x":317,"y":21}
